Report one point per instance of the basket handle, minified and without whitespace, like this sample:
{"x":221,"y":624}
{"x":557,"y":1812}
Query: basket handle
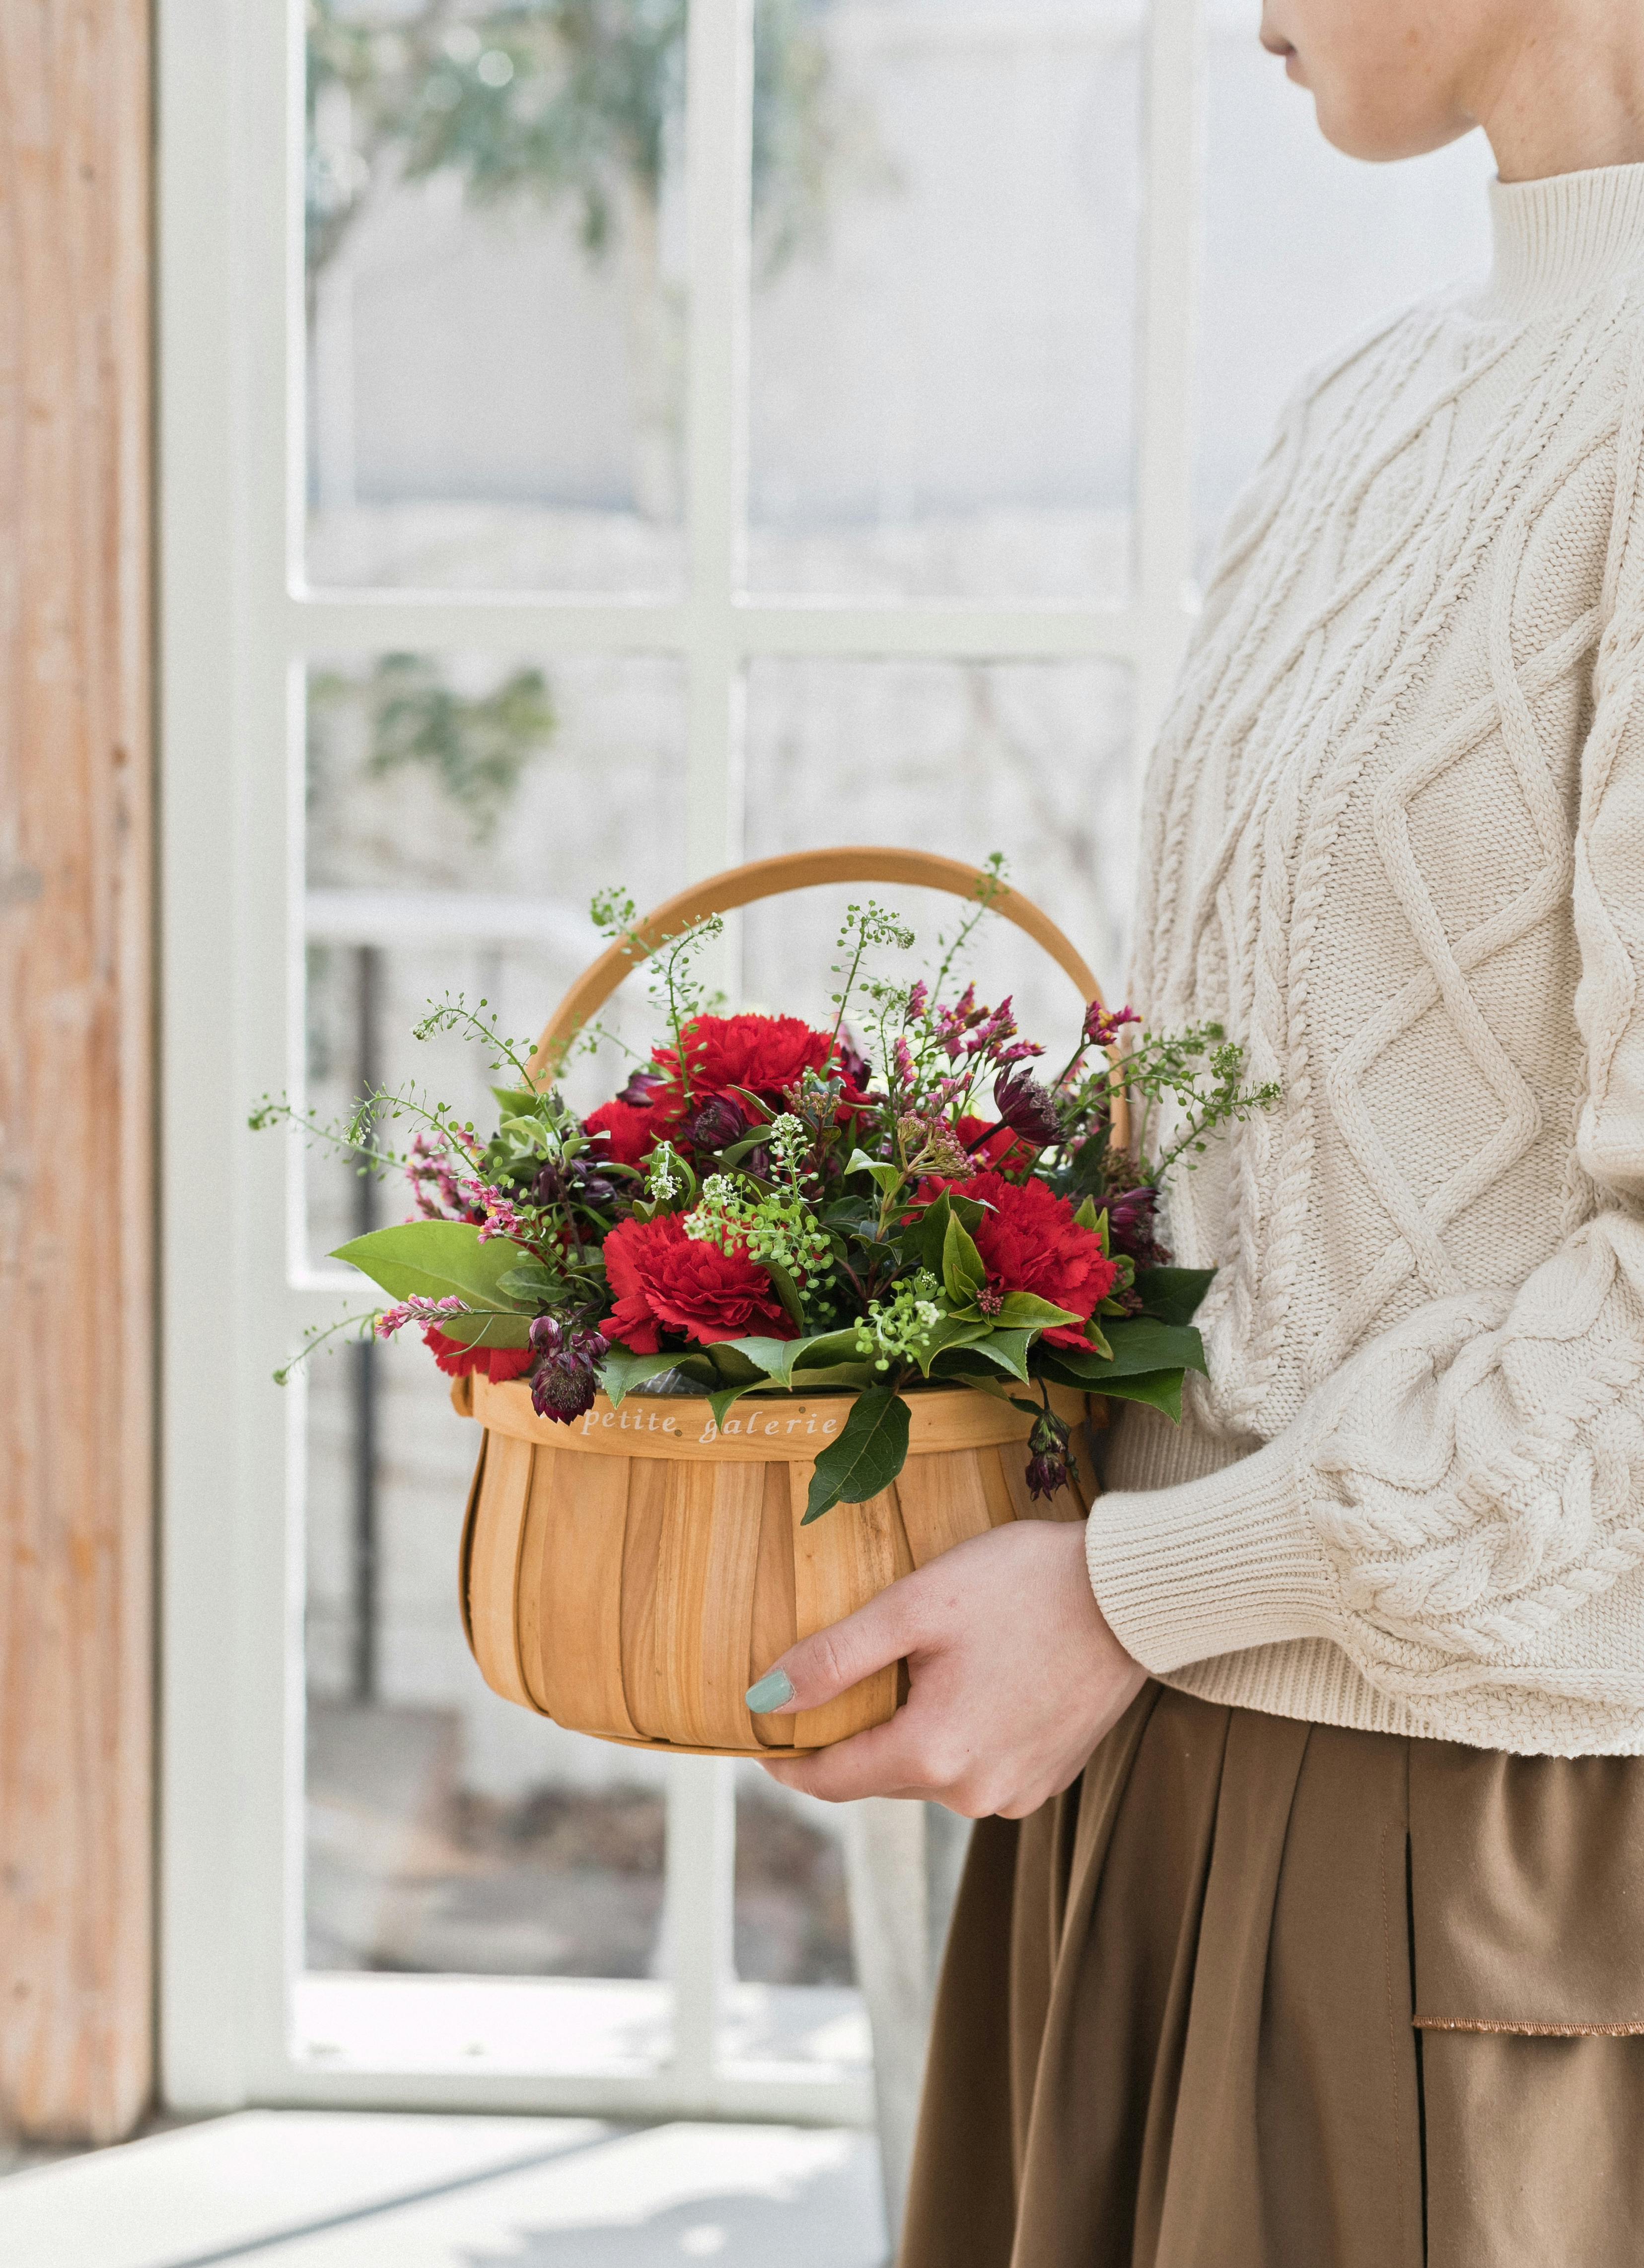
{"x":800,"y":870}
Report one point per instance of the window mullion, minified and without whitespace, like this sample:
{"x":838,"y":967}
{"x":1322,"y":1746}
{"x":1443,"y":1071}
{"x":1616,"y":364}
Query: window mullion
{"x":718,"y":178}
{"x":1169,"y":250}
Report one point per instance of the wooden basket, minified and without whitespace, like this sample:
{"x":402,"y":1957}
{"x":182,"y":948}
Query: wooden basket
{"x":631,"y":1574}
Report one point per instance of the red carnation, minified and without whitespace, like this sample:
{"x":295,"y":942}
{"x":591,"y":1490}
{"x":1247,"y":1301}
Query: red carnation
{"x":630,"y":1134}
{"x":762,"y":1055}
{"x":499,"y":1364}
{"x":1002,"y":1148}
{"x":1031,"y":1243}
{"x":664,"y":1280}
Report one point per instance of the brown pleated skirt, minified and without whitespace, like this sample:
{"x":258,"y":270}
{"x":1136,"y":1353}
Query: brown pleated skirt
{"x":1256,"y":1994}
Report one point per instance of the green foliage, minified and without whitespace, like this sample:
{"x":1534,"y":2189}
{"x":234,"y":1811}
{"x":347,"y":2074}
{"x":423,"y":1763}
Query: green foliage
{"x":869,"y":1455}
{"x":439,"y":1259}
{"x":475,"y":746}
{"x":558,"y":100}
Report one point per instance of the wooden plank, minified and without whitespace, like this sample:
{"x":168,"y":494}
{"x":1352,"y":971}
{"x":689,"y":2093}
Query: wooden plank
{"x":774,"y":1627}
{"x":943,"y":1501}
{"x":571,"y":1592}
{"x":840,"y":1562}
{"x":650,"y":1484}
{"x":76,"y":1096}
{"x":494,"y":1566}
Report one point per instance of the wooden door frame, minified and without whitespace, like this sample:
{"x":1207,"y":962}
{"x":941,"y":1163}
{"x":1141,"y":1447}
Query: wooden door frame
{"x":76,"y":1070}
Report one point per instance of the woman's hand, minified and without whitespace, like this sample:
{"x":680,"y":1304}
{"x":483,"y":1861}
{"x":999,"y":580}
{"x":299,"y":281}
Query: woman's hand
{"x":1014,"y":1677}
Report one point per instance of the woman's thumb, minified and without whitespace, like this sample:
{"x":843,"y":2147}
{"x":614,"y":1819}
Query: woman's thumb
{"x":824,"y":1666}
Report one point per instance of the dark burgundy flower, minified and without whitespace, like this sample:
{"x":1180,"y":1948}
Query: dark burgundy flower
{"x":566,"y":1376}
{"x":1047,"y":1455}
{"x":1027,"y":1107}
{"x":715,"y":1124}
{"x":1132,"y":1219}
{"x":641,"y":1088}
{"x":579,"y":1182}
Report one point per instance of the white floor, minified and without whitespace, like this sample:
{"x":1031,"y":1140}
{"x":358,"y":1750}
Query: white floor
{"x":290,"y":2188}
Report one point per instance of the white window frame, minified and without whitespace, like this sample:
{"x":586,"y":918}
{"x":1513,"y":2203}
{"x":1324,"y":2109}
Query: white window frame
{"x":237,"y":624}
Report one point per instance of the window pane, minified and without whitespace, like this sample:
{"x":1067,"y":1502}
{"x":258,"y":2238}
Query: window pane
{"x":1281,"y":209}
{"x":448,"y":1832}
{"x":795,"y":1999}
{"x":1028,"y":758}
{"x":944,"y":298}
{"x":460,"y":812}
{"x":495,"y":295}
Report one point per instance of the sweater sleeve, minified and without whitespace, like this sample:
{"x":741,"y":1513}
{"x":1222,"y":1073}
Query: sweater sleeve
{"x":1461,"y":1503}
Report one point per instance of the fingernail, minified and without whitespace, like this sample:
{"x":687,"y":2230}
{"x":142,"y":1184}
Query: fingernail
{"x":774,"y":1689}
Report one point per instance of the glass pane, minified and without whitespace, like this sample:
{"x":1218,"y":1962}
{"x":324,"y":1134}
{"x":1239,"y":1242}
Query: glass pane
{"x":1303,"y":247}
{"x":448,"y":1831}
{"x":944,"y":285}
{"x":795,"y":2000}
{"x":461,"y":813}
{"x":495,"y":294}
{"x":793,"y":1917}
{"x":1028,"y":758}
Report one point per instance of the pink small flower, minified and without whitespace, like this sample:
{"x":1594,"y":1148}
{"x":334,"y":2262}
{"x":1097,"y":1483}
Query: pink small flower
{"x":1102,"y":1027}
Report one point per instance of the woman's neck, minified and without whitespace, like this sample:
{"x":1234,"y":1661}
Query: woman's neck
{"x":1564,"y":92}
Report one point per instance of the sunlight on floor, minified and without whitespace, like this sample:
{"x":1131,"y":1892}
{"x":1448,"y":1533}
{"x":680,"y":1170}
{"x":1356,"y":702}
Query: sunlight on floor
{"x":373,"y":2189}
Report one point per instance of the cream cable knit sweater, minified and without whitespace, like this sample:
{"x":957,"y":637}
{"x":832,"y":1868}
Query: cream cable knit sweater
{"x":1394,"y":839}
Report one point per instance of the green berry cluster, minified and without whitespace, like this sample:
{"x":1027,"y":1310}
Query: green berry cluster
{"x":902,"y":1324}
{"x":780,"y":1232}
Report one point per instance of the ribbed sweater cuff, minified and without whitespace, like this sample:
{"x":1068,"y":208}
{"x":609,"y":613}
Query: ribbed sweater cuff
{"x":1210,"y":1565}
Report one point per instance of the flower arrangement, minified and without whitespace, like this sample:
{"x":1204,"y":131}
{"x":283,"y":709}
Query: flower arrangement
{"x":768,"y":1207}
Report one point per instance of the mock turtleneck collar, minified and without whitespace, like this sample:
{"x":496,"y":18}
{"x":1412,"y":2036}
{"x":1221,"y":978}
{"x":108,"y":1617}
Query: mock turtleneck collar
{"x":1558,"y":240}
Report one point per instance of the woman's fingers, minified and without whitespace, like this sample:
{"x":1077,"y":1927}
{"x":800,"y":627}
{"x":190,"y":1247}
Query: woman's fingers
{"x":821,"y":1668}
{"x":883,"y":1761}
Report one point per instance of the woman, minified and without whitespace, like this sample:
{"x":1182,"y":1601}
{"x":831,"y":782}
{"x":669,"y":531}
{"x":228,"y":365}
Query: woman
{"x":1332,"y":1951}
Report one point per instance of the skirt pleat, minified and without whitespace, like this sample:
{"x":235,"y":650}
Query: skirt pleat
{"x":1176,"y":2026}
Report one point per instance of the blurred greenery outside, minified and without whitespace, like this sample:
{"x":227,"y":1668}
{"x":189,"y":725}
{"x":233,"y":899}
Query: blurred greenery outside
{"x":575,"y":103}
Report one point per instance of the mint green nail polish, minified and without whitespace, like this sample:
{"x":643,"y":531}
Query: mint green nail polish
{"x":774,"y":1689}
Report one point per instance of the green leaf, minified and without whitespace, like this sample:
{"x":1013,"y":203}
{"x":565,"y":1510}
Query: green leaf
{"x":1173,"y":1294}
{"x":772,"y":1356}
{"x":534,"y":1284}
{"x":1140,"y":1343}
{"x":885,"y":1177}
{"x":963,"y":1274}
{"x":720,"y":1401}
{"x":1160,"y":1389}
{"x":730,"y":1367}
{"x":787,"y":1289}
{"x":952,"y":1332}
{"x":1087,"y":1217}
{"x":866,"y":1457}
{"x":1008,"y":1350}
{"x":433,"y":1259}
{"x":623,"y":1371}
{"x":1025,"y":1311}
{"x":824,"y":1347}
{"x":923,"y":1239}
{"x":490,"y":1329}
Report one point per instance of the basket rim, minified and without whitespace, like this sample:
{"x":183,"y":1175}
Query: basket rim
{"x":944,"y":1417}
